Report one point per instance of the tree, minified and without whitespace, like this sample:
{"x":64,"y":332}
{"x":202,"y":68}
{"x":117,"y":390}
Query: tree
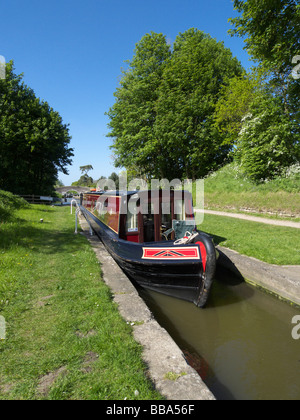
{"x":84,"y":181}
{"x":234,"y":104}
{"x":272,"y":29}
{"x":133,"y":115}
{"x":115,"y":178}
{"x":162,"y":121}
{"x":267,"y":143}
{"x":59,"y":183}
{"x":190,"y":89}
{"x":33,"y":139}
{"x":85,"y":169}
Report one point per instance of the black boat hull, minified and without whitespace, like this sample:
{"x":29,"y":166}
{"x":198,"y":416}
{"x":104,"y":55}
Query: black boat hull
{"x":155,"y":265}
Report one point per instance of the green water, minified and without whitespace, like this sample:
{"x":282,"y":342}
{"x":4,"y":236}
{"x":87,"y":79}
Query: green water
{"x":242,"y":341}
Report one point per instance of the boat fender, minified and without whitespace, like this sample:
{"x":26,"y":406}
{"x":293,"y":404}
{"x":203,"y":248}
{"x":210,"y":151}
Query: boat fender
{"x":208,"y":256}
{"x":207,"y":247}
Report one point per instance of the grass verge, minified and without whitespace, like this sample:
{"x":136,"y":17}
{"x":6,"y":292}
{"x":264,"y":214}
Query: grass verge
{"x":65,"y":338}
{"x":271,"y":244}
{"x":282,"y":204}
{"x":230,"y":189}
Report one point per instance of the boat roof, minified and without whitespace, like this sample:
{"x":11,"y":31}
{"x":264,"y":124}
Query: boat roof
{"x":118,"y":193}
{"x":139,"y":192}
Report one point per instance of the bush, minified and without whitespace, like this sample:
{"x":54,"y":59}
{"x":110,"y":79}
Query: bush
{"x":9,"y":203}
{"x":231,"y":178}
{"x":268,"y":141}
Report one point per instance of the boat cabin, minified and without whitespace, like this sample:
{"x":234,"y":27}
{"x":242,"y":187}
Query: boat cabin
{"x":142,"y":216}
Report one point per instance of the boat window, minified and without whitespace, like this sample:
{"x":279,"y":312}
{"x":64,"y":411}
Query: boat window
{"x":101,"y":207}
{"x":166,"y":216}
{"x":131,"y":223}
{"x":179,"y":210}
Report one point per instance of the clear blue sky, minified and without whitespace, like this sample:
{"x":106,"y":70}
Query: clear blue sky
{"x":71,"y":53}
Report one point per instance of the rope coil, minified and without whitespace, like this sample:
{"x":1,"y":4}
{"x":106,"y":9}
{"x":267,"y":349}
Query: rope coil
{"x":188,"y":238}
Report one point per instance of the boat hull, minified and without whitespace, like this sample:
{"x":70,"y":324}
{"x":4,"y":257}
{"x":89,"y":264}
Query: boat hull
{"x":177,"y":271}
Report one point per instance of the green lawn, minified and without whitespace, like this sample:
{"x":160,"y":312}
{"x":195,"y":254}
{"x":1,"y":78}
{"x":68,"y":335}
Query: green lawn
{"x":279,"y":203}
{"x":272,"y":244}
{"x":230,"y":189}
{"x":65,"y":338}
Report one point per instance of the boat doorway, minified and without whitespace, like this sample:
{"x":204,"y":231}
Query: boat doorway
{"x":156,"y":215}
{"x":148,"y":225}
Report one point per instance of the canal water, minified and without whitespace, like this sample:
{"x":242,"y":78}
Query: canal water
{"x":241,"y":344}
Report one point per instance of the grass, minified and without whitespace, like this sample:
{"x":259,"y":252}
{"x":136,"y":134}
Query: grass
{"x":271,"y":244}
{"x":228,"y":188}
{"x":8,"y":204}
{"x":65,"y":339}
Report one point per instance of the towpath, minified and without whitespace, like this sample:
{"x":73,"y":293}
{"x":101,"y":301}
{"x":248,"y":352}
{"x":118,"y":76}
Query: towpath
{"x":259,"y":219}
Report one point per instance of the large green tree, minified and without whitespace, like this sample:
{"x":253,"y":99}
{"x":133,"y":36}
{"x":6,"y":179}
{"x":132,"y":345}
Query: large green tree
{"x":133,"y":115}
{"x":234,"y":104}
{"x":34,"y":142}
{"x":270,"y":136}
{"x":162,"y":122}
{"x":271,"y":29}
{"x":267,"y":143}
{"x":189,"y":92}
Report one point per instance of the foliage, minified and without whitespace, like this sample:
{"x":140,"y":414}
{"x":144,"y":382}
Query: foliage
{"x":9,"y":203}
{"x":191,"y":85}
{"x":271,"y":28}
{"x":234,"y":103}
{"x":84,"y":181}
{"x":33,"y":139}
{"x":85,"y":169}
{"x":229,"y":188}
{"x":268,"y":141}
{"x":231,"y":178}
{"x":115,"y":178}
{"x":133,"y":115}
{"x":162,"y":121}
{"x":59,"y":183}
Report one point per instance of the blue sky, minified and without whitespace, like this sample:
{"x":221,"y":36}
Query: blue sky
{"x":71,"y":53}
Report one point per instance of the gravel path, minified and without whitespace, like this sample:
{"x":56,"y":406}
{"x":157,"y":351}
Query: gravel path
{"x":275,"y":222}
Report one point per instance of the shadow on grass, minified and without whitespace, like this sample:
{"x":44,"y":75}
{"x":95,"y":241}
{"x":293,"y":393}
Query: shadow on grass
{"x":217,"y":239}
{"x":39,"y":238}
{"x":227,"y":272}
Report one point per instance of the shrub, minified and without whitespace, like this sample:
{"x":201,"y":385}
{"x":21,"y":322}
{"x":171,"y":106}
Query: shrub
{"x":9,"y":203}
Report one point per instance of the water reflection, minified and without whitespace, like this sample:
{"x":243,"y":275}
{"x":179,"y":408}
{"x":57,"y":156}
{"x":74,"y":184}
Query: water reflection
{"x":241,"y":344}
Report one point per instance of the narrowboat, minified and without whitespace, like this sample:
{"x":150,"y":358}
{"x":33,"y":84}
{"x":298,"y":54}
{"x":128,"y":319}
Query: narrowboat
{"x":152,"y":236}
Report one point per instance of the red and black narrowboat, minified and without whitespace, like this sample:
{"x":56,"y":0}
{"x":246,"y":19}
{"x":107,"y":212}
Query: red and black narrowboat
{"x":152,"y":236}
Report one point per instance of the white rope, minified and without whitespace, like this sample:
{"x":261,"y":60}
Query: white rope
{"x":186,"y":239}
